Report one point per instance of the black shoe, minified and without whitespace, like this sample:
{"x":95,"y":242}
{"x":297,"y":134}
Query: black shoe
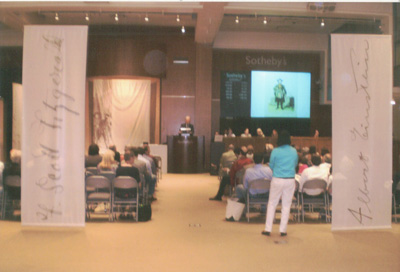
{"x":230,"y":219}
{"x":267,"y":233}
{"x":283,"y":234}
{"x":216,"y":198}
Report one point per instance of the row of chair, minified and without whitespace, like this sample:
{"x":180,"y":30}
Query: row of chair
{"x":300,"y":198}
{"x":100,"y":189}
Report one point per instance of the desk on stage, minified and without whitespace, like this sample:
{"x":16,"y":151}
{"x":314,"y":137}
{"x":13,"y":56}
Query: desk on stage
{"x":185,"y":154}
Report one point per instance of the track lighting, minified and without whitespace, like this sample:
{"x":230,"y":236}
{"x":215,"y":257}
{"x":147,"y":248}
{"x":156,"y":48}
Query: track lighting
{"x":87,"y":17}
{"x":265,"y":21}
{"x":56,"y":17}
{"x":146,"y":18}
{"x":183,"y":30}
{"x":237,"y":19}
{"x":322,"y":23}
{"x":178,"y":19}
{"x":116,"y":17}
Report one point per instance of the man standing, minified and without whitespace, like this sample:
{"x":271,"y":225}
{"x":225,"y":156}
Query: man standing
{"x":280,"y":93}
{"x":187,"y":124}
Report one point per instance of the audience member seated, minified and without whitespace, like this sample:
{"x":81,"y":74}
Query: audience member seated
{"x":108,"y":163}
{"x":303,"y":164}
{"x":250,"y":152}
{"x":127,"y":169}
{"x":93,"y":158}
{"x":326,"y":161}
{"x":266,"y":157}
{"x":148,"y":157}
{"x":229,"y":133}
{"x":324,"y":151}
{"x":13,"y":168}
{"x":246,"y":133}
{"x":260,"y":133}
{"x":313,"y":172}
{"x":258,"y":171}
{"x":226,"y":161}
{"x":117,"y":155}
{"x":139,"y":152}
{"x":225,"y":180}
{"x":312,"y":150}
{"x":145,"y":177}
{"x":242,"y":162}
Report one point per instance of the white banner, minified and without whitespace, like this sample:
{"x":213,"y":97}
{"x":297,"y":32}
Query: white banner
{"x":54,"y":75}
{"x":362,"y":131}
{"x":121,"y":112}
{"x":17,"y":116}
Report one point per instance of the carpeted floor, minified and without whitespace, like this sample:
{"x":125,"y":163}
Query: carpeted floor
{"x":188,"y":233}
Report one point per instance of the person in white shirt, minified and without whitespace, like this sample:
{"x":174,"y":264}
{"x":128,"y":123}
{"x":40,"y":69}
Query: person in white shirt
{"x":326,"y":161}
{"x":313,"y":172}
{"x":229,"y":133}
{"x":246,"y":133}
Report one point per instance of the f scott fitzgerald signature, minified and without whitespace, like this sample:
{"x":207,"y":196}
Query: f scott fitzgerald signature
{"x":360,"y":132}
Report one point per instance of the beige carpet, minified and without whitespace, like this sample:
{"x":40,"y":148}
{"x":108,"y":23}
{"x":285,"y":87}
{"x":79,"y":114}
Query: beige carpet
{"x":188,"y":233}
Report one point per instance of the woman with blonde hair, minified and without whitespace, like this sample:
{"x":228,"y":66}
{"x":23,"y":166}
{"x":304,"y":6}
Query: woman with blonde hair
{"x":108,"y":163}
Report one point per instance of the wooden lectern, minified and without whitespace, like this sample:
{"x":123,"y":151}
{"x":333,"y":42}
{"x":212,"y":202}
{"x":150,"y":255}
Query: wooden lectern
{"x":185,"y":154}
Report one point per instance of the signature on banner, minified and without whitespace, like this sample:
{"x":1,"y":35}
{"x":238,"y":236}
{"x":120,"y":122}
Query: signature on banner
{"x":360,"y":131}
{"x":56,"y":107}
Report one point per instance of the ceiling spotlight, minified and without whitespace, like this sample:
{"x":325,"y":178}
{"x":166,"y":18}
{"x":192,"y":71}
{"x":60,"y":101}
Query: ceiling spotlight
{"x":265,"y":21}
{"x":56,"y":17}
{"x":237,"y":19}
{"x":116,"y":17}
{"x":146,"y":18}
{"x":322,"y":23}
{"x":178,"y":19}
{"x":87,"y":17}
{"x":393,"y":102}
{"x":183,"y":30}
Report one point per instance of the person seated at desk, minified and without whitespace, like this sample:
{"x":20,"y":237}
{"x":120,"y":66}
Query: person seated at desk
{"x":229,"y":133}
{"x":187,"y":125}
{"x":258,"y":171}
{"x":260,"y":133}
{"x":93,"y":158}
{"x":246,"y":133}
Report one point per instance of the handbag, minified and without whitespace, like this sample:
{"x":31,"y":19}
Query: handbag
{"x":234,"y":209}
{"x":144,"y":212}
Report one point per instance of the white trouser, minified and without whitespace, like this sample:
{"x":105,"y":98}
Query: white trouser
{"x":280,"y":188}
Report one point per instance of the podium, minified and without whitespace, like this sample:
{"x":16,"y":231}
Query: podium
{"x":185,"y":154}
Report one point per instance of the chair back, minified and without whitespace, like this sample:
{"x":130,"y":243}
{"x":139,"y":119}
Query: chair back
{"x":125,"y":182}
{"x":330,"y":188}
{"x":108,"y":174}
{"x":157,"y":161}
{"x":260,"y":184}
{"x":98,"y":182}
{"x":315,"y":184}
{"x":13,"y":181}
{"x":92,"y":170}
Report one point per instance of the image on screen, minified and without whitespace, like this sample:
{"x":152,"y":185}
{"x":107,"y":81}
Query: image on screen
{"x":278,"y":94}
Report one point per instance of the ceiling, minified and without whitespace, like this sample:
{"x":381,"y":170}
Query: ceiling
{"x":206,"y":18}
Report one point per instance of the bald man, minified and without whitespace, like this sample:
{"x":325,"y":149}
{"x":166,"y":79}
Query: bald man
{"x":187,"y":124}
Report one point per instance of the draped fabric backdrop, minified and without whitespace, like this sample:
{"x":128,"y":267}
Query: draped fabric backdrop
{"x":17,"y":116}
{"x":53,"y":125}
{"x":362,"y":131}
{"x":121,"y":112}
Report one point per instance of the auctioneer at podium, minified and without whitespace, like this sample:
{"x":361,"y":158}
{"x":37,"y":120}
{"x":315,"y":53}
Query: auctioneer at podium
{"x":185,"y":151}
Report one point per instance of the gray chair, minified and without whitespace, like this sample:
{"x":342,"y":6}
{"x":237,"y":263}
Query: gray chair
{"x":314,"y":201}
{"x":125,"y":183}
{"x":10,"y":183}
{"x":98,"y":190}
{"x":108,"y":174}
{"x":92,"y":170}
{"x":259,"y":184}
{"x":158,"y":162}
